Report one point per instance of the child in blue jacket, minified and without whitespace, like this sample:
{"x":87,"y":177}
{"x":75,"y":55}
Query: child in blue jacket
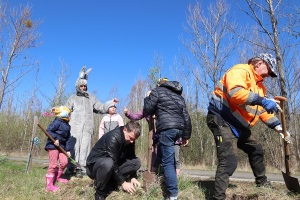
{"x":59,"y":129}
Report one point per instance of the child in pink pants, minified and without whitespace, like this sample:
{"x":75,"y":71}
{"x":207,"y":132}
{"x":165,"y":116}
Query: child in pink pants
{"x":59,"y":129}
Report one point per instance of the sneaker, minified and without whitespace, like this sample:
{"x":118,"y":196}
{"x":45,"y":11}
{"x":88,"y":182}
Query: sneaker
{"x":169,"y":198}
{"x":79,"y":173}
{"x":99,"y":197}
{"x":70,"y":172}
{"x":83,"y":173}
{"x":265,"y":183}
{"x":92,"y":183}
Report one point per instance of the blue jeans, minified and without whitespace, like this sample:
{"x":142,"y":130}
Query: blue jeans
{"x":167,"y":140}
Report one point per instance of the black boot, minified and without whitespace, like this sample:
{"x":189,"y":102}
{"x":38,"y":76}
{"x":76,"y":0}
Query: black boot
{"x":79,"y":173}
{"x":263,"y":182}
{"x":99,"y":197}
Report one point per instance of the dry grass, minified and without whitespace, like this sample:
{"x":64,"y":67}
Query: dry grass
{"x":16,"y":185}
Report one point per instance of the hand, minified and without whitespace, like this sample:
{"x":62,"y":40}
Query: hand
{"x":128,"y":187}
{"x":56,"y":143}
{"x":185,"y":142}
{"x":277,"y":104}
{"x":125,"y":110}
{"x":177,"y":172}
{"x":69,"y":154}
{"x":115,"y":100}
{"x":135,"y":182}
{"x":270,"y":105}
{"x":287,"y":138}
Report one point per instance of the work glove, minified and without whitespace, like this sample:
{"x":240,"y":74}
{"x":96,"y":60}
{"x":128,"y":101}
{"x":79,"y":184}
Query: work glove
{"x":287,"y":138}
{"x":270,"y":105}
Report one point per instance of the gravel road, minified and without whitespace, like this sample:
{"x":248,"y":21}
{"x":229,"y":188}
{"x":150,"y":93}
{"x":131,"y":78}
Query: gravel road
{"x":245,"y":176}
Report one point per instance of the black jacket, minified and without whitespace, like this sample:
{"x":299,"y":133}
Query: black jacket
{"x":169,"y":108}
{"x":113,"y":144}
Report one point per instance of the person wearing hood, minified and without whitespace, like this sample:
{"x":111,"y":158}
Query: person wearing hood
{"x":83,"y":104}
{"x":110,"y":121}
{"x":172,"y":122}
{"x":155,"y":159}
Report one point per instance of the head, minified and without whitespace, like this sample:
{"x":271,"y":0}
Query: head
{"x":81,"y":85}
{"x":132,"y":131}
{"x":112,"y":109}
{"x":161,"y":81}
{"x":61,"y":112}
{"x":264,"y":65}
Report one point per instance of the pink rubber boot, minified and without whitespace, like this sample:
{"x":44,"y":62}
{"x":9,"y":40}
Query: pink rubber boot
{"x":59,"y":179}
{"x":49,"y":183}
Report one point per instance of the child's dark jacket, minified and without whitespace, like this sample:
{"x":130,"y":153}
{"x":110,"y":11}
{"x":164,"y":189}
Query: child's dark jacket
{"x":59,"y":129}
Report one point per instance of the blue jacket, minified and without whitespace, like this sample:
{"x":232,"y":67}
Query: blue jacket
{"x":59,"y":129}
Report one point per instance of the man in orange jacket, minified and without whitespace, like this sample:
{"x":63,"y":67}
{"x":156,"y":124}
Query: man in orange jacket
{"x":237,"y":103}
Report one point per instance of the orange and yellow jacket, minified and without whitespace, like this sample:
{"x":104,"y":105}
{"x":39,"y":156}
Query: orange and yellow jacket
{"x":235,"y":98}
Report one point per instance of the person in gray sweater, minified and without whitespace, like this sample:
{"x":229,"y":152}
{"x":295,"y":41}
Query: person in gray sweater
{"x":83,"y":104}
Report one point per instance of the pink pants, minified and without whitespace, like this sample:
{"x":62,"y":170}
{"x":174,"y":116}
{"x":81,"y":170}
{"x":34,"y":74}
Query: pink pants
{"x":54,"y":157}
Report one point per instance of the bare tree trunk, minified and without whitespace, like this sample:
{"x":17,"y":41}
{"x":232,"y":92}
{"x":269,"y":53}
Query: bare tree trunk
{"x":20,"y":30}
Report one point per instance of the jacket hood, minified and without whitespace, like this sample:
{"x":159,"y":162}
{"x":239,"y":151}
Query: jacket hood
{"x":175,"y":86}
{"x":81,"y":93}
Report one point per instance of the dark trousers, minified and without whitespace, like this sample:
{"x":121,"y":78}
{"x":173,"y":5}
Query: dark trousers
{"x":227,"y":144}
{"x":102,"y":172}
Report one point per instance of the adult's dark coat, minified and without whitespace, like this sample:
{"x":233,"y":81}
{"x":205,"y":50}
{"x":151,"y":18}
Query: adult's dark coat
{"x":113,"y":144}
{"x":169,"y":108}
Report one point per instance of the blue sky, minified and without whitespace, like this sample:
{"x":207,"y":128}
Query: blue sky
{"x":117,"y":39}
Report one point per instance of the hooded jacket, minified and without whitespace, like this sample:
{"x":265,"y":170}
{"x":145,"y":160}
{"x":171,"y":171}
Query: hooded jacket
{"x":169,"y":108}
{"x":59,"y":129}
{"x":234,"y":99}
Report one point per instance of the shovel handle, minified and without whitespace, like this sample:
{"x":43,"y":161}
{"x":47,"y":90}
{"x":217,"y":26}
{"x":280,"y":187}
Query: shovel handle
{"x":283,"y":123}
{"x":59,"y":147}
{"x":282,"y":114}
{"x":150,"y":143}
{"x":280,"y":98}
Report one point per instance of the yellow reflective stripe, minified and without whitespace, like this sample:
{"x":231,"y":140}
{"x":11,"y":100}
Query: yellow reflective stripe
{"x":235,"y":113}
{"x":221,"y":86}
{"x":223,"y":101}
{"x":233,"y":91}
{"x":250,"y":98}
{"x":241,"y":119}
{"x":251,"y":110}
{"x":271,"y":120}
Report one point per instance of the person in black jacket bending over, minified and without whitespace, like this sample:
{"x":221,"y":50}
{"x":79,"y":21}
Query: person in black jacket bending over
{"x":172,"y":122}
{"x":113,"y":161}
